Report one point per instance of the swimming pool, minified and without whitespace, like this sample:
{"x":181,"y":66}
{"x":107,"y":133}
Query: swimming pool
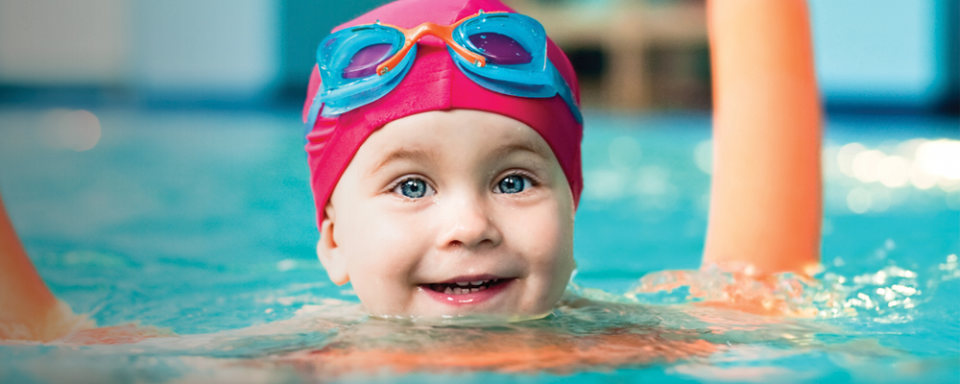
{"x":202,"y":223}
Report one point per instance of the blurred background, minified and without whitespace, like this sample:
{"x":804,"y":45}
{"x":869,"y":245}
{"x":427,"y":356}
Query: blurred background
{"x":872,"y":56}
{"x":144,"y":144}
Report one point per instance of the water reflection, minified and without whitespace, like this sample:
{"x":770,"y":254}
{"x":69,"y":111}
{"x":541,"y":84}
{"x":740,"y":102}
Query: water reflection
{"x":78,"y":130}
{"x":873,"y":176}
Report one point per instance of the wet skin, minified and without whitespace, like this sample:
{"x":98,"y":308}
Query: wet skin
{"x":451,"y":213}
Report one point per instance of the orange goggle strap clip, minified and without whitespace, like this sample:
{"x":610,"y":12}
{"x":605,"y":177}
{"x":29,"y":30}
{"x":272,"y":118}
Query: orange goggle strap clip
{"x":443,"y":32}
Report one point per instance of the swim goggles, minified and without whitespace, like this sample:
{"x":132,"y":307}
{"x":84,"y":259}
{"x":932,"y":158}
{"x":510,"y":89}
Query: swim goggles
{"x":500,"y":51}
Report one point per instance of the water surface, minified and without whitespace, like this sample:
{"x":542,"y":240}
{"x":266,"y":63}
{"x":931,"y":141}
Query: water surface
{"x":202,"y":224}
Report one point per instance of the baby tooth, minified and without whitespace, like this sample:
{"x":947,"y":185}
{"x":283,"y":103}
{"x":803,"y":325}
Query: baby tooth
{"x":457,"y":291}
{"x":481,"y":288}
{"x":448,"y":291}
{"x":474,"y":290}
{"x":462,"y":283}
{"x":476,"y":282}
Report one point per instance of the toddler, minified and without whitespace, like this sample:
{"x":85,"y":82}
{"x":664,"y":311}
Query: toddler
{"x":450,"y":188}
{"x":446,"y":177}
{"x":444,"y":150}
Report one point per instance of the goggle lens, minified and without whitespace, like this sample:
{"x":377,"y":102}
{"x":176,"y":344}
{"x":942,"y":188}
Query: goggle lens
{"x":513,"y":47}
{"x":500,"y":49}
{"x":364,"y":63}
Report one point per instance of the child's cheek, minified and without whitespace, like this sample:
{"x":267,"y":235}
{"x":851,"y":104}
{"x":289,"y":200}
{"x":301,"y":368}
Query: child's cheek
{"x":543,"y":234}
{"x":548,"y":229}
{"x":386,"y":247}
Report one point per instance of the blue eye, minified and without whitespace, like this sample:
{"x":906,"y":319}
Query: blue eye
{"x":512,"y":184}
{"x":413,"y":188}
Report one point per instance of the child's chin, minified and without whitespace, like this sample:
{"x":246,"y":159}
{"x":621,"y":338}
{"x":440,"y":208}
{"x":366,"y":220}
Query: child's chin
{"x":504,"y":302}
{"x":486,"y":312}
{"x":474,"y":316}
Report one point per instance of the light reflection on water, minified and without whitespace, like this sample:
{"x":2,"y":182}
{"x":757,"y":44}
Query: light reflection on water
{"x":202,"y":224}
{"x":887,"y":295}
{"x":591,"y":330}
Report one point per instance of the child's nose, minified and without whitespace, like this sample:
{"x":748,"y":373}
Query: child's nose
{"x":468,"y":224}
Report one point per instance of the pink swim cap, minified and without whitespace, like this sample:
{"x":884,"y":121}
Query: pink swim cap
{"x":435,"y":83}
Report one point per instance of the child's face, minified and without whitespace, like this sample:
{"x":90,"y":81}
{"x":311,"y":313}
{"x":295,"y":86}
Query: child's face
{"x":435,"y":202}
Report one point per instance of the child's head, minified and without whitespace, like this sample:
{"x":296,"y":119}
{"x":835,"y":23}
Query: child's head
{"x":443,"y":197}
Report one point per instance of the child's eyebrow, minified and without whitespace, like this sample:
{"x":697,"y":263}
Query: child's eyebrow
{"x":523,"y":146}
{"x":414,"y":155}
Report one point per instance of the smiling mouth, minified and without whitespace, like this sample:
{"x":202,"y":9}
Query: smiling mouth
{"x":465,"y":287}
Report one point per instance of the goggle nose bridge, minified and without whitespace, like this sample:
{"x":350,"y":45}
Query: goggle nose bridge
{"x":442,"y":32}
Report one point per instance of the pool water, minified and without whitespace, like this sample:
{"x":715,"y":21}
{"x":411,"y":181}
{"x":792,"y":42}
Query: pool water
{"x":201,"y":224}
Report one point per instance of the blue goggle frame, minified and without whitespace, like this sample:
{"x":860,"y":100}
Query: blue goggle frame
{"x":346,"y":86}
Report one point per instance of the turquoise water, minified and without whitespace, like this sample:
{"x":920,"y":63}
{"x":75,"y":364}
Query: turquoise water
{"x":201,"y":223}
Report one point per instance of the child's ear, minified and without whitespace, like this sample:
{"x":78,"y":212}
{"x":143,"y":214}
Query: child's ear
{"x":333,"y":260}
